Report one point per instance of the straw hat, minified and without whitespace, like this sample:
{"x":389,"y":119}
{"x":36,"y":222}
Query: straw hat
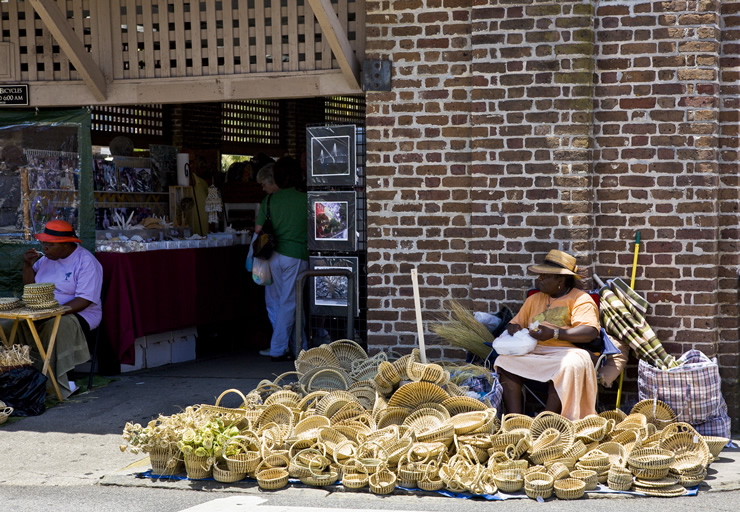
{"x":557,"y":262}
{"x":58,"y":231}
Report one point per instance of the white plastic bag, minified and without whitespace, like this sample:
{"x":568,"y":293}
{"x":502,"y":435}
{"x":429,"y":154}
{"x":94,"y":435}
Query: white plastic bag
{"x":490,"y":321}
{"x":518,"y":344}
{"x":261,"y":272}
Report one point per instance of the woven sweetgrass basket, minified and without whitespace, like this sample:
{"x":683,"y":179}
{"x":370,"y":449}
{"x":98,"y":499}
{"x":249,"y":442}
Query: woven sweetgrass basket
{"x":650,"y":458}
{"x":588,"y":476}
{"x":509,"y":480}
{"x":546,"y":420}
{"x":619,"y":479}
{"x":716,"y":444}
{"x":5,"y":412}
{"x":198,"y":468}
{"x":538,"y":485}
{"x":569,"y":488}
{"x":225,"y":475}
{"x":166,"y":461}
{"x":382,"y":481}
{"x":558,"y":471}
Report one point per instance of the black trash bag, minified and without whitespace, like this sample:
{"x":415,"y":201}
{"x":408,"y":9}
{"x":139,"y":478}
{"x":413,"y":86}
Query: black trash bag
{"x":24,"y":389}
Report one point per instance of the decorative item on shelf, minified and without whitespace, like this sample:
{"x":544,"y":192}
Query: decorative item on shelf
{"x":213,"y":204}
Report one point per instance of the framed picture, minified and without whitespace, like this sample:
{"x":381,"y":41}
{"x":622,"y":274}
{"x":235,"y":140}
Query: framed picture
{"x":331,"y":221}
{"x":164,"y":166}
{"x":134,"y":174}
{"x":331,"y":156}
{"x":329,"y":294}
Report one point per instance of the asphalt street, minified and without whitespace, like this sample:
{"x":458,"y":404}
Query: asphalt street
{"x":68,"y":459}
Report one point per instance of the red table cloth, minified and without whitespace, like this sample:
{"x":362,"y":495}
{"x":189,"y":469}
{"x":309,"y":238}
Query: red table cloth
{"x":158,"y":291}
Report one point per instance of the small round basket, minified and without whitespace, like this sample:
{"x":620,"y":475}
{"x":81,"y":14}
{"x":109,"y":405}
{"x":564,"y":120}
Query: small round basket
{"x":663,"y":492}
{"x":591,"y":428}
{"x":430,"y":482}
{"x":272,"y":478}
{"x":569,"y":488}
{"x":166,"y":462}
{"x":545,"y":454}
{"x":619,"y":479}
{"x":347,"y":352}
{"x":558,"y":470}
{"x":512,"y":422}
{"x":198,"y":468}
{"x":714,"y":443}
{"x":285,"y":397}
{"x":309,"y":427}
{"x":509,"y":480}
{"x":589,"y":477}
{"x":538,"y":485}
{"x":5,"y":412}
{"x":226,"y":476}
{"x":460,"y":404}
{"x":354,"y":474}
{"x":468,"y":421}
{"x":383,"y":481}
{"x":689,"y":448}
{"x":650,"y":458}
{"x":617,"y":415}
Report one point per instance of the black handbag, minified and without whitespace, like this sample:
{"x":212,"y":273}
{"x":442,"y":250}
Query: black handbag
{"x":266,"y":242}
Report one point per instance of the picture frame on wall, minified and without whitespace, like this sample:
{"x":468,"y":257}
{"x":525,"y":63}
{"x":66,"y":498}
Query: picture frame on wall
{"x":331,"y":156}
{"x":332,"y":221}
{"x":329,"y":294}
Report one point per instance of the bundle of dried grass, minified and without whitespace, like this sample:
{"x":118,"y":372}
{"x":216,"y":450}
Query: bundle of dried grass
{"x":463,"y":330}
{"x":14,"y":356}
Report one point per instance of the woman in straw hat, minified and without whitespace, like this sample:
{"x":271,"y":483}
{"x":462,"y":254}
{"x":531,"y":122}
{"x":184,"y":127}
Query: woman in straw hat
{"x":560,"y":317}
{"x":78,"y":279}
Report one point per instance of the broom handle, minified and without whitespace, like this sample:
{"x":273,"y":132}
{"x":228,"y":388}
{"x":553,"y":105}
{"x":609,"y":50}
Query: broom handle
{"x":632,"y":285}
{"x":419,"y":325}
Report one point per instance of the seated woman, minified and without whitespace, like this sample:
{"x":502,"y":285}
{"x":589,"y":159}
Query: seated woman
{"x":567,"y":316}
{"x":78,"y":280}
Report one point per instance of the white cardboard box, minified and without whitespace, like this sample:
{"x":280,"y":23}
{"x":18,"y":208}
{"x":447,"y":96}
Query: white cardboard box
{"x":139,"y":356}
{"x":158,"y":353}
{"x":183,"y":349}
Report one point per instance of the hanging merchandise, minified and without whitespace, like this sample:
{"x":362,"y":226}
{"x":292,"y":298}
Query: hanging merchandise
{"x":213,"y":204}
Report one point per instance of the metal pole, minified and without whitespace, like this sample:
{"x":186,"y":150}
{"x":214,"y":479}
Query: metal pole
{"x":299,"y":302}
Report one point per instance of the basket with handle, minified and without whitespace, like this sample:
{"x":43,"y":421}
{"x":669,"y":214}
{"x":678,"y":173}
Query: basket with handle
{"x":382,"y":481}
{"x":225,"y":475}
{"x":246,"y":456}
{"x":229,"y":415}
{"x":5,"y":412}
{"x":272,"y":472}
{"x":354,"y":474}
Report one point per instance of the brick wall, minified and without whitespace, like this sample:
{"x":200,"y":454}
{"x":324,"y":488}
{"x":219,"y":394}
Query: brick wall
{"x":517,"y":126}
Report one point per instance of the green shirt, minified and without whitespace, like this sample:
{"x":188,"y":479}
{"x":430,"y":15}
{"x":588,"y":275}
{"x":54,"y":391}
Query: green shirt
{"x":289,"y":217}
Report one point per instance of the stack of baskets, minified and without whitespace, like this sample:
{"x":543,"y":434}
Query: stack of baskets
{"x":39,"y":296}
{"x":377,"y":423}
{"x":8,"y":303}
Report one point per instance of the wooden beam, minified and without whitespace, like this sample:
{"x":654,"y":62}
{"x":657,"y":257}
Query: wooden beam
{"x":333,"y":31}
{"x":250,"y":86}
{"x":56,"y":22}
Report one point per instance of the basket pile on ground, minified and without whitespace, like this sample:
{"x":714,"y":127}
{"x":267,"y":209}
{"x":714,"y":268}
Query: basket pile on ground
{"x":378,"y":423}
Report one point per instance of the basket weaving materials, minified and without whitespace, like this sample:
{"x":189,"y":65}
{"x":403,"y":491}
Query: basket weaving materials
{"x":588,"y":476}
{"x":569,"y":488}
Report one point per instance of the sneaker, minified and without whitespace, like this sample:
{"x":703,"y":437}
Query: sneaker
{"x":265,"y":352}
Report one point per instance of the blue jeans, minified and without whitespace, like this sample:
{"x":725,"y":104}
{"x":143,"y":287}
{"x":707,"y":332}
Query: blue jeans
{"x":280,"y":301}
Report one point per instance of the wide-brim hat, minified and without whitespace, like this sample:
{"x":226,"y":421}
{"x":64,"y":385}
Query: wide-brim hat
{"x":58,"y":231}
{"x":557,"y":262}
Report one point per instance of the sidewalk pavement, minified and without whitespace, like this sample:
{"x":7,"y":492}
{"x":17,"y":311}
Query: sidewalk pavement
{"x":77,"y":442}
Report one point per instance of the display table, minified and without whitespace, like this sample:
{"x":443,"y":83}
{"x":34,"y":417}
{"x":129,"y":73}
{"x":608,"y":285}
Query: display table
{"x":31,"y":316}
{"x":156,"y":291}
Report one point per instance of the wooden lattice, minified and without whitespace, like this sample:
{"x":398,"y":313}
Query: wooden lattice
{"x":345,"y":110}
{"x":251,"y":122}
{"x":128,"y":120}
{"x":138,"y":39}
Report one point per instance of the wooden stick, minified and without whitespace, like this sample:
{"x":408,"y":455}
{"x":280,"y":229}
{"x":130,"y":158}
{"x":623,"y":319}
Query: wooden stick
{"x":419,"y":324}
{"x":26,"y":204}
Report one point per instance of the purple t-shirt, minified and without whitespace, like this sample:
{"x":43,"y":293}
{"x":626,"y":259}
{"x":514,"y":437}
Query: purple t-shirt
{"x":77,"y":275}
